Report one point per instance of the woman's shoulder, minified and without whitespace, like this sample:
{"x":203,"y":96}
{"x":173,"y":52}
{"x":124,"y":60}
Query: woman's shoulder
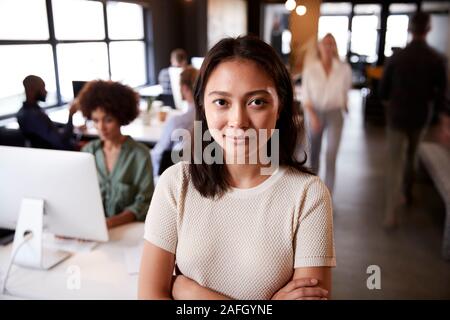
{"x":343,"y":64}
{"x":173,"y":182}
{"x":138,"y":147}
{"x":312,"y":65}
{"x":92,"y":146}
{"x":301,"y":180}
{"x":177,"y":173}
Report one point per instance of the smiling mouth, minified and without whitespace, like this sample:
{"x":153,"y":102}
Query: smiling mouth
{"x":236,"y":140}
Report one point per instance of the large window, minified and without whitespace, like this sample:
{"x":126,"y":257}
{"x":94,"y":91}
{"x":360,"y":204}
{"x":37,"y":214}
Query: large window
{"x":397,"y":26}
{"x":439,"y":36}
{"x":365,"y":26}
{"x":66,"y":40}
{"x":334,"y":19}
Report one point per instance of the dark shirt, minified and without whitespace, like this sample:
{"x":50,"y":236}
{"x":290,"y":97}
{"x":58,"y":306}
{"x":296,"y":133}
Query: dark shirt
{"x":37,"y":127}
{"x":414,"y":79}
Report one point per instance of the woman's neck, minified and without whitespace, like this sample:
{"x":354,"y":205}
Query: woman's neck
{"x":114,"y":143}
{"x":244,"y":176}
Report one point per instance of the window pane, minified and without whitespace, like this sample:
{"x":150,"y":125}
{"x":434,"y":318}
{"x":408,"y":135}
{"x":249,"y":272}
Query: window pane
{"x":78,"y":20}
{"x":338,"y":27}
{"x":439,"y":35}
{"x":125,"y":20}
{"x":81,"y":61}
{"x":396,"y":33}
{"x":32,"y":24}
{"x":18,"y":61}
{"x":364,"y":36}
{"x":435,"y":6}
{"x":370,"y":9}
{"x":128,"y":62}
{"x":344,"y":8}
{"x":402,"y":8}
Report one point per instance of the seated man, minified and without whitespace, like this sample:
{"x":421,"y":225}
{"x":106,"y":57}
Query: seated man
{"x":178,"y":58}
{"x":183,"y":121}
{"x":35,"y":124}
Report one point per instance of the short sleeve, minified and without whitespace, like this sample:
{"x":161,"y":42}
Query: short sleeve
{"x":161,"y":221}
{"x":314,"y":240}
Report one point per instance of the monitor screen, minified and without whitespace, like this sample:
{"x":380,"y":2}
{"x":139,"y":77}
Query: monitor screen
{"x":77,"y":86}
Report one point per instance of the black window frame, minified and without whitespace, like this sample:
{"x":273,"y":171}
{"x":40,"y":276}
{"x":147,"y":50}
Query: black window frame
{"x":147,"y":39}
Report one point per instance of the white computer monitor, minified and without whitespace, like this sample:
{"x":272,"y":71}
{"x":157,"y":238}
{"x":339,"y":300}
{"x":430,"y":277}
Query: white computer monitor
{"x":197,"y":62}
{"x":65,"y":181}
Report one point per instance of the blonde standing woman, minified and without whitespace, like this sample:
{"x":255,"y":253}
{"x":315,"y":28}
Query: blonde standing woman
{"x":326,"y":83}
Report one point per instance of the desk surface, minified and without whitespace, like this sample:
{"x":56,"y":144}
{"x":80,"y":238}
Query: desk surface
{"x":103,"y":271}
{"x":150,"y":91}
{"x":145,"y":128}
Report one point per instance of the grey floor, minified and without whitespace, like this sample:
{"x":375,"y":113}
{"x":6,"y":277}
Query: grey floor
{"x":409,"y":258}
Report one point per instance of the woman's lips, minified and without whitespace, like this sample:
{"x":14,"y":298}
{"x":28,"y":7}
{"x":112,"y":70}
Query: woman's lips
{"x":236,"y":139}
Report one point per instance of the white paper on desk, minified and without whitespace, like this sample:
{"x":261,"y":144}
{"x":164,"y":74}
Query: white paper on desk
{"x":133,"y":258}
{"x":69,"y":245}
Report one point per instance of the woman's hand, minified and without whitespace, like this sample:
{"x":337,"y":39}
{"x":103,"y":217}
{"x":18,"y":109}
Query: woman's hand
{"x":120,"y":219}
{"x":301,"y":289}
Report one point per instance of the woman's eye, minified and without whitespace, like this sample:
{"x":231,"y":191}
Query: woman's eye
{"x":258,"y":102}
{"x":220,"y":102}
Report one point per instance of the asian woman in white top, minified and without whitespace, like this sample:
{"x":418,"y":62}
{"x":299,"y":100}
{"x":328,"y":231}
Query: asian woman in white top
{"x":326,"y":83}
{"x":234,"y":230}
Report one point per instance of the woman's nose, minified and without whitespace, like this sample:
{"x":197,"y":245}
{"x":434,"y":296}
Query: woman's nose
{"x":238,"y":118}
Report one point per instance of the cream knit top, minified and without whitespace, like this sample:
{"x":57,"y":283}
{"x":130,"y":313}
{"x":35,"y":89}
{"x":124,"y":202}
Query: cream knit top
{"x":247,"y":243}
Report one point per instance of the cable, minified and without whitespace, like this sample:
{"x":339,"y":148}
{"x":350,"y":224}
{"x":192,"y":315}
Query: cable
{"x":26,"y":238}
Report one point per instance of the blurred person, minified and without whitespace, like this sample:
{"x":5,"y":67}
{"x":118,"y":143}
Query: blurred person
{"x":276,"y":36}
{"x":413,"y":81}
{"x":234,"y":230}
{"x":325,"y":86}
{"x":35,"y":124}
{"x":178,"y":59}
{"x":184,"y":121}
{"x":124,"y":166}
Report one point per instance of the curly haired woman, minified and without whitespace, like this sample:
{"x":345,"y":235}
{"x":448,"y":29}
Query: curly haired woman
{"x":123,"y":165}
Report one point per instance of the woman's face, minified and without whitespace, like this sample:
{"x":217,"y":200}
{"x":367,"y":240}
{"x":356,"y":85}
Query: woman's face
{"x":327,"y":47}
{"x":240,"y":98}
{"x":107,"y":126}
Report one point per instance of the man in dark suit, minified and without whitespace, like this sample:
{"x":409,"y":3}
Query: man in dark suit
{"x":413,"y":87}
{"x":35,"y":124}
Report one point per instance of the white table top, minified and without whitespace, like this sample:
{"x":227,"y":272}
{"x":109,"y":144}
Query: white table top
{"x":150,"y":91}
{"x":103,"y":271}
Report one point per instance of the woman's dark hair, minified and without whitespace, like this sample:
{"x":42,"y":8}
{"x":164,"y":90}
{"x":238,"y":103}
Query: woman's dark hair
{"x":213,"y":180}
{"x":116,"y":99}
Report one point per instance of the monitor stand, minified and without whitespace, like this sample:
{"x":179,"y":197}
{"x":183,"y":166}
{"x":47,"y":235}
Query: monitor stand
{"x":32,"y":253}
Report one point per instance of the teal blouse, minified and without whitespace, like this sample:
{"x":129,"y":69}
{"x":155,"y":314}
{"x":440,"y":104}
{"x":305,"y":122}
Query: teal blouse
{"x":129,"y":186}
